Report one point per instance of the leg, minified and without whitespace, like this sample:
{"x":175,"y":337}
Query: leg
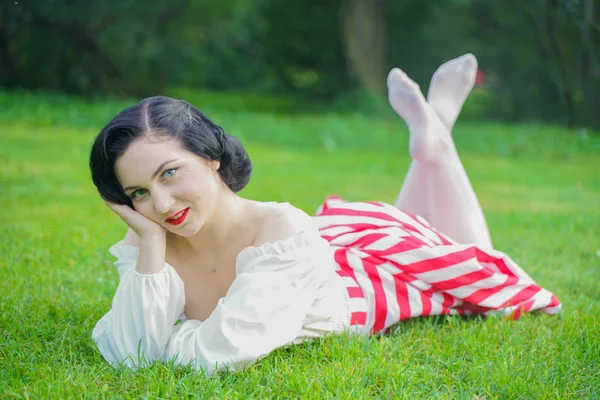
{"x":450,"y":86}
{"x":437,"y":186}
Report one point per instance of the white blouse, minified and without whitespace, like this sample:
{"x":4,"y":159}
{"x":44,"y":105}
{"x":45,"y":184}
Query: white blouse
{"x":283,"y":293}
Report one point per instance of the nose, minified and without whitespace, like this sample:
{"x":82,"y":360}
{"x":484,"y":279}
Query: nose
{"x":163,"y":201}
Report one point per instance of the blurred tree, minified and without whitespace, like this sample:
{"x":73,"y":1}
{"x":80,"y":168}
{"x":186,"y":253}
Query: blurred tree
{"x":365,"y":42}
{"x":540,"y":55}
{"x":83,"y":47}
{"x":543,"y":55}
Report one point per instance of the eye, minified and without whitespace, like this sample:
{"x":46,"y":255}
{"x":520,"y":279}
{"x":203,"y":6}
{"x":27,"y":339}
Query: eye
{"x":168,"y":174}
{"x":137,"y":194}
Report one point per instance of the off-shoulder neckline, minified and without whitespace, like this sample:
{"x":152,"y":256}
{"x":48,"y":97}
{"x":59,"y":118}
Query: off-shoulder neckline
{"x":279,"y":247}
{"x":296,"y":241}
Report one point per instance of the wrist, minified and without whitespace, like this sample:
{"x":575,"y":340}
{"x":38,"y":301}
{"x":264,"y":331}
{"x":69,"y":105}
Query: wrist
{"x":152,"y":254}
{"x":156,"y":237}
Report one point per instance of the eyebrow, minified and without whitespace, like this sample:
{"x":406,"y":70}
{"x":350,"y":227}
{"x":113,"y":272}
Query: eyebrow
{"x":161,"y":166}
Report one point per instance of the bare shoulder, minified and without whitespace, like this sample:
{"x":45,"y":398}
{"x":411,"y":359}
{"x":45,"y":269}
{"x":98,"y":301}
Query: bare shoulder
{"x":280,"y":223}
{"x":131,"y":239}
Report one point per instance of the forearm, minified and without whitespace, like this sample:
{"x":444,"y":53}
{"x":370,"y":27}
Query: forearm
{"x":149,"y":300}
{"x":142,"y":317}
{"x":152,"y":254}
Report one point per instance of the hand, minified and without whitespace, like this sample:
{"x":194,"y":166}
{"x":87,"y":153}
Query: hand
{"x":141,"y":225}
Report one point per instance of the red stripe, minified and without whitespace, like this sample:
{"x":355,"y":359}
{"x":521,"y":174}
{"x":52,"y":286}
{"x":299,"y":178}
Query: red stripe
{"x":362,"y":213}
{"x":448,"y":300}
{"x":367,"y":239}
{"x":463,"y":280}
{"x":341,"y":259}
{"x":409,"y":243}
{"x":402,"y":297}
{"x":516,"y":314}
{"x":355,"y":229}
{"x":373,"y":214}
{"x":482,"y":256}
{"x":406,"y":277}
{"x":385,"y":216}
{"x":380,"y":300}
{"x":527,"y":306}
{"x":334,"y":199}
{"x":426,"y":303}
{"x":358,"y":318}
{"x":342,"y":273}
{"x":375,"y":203}
{"x":554,"y":301}
{"x":440,"y":262}
{"x":443,"y":238}
{"x":481,"y":295}
{"x":355,"y":292}
{"x":525,"y":294}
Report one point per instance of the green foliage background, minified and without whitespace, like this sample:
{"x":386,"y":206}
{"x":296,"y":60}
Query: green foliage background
{"x":539,"y":55}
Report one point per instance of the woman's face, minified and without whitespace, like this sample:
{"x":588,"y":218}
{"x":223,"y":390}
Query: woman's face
{"x":169,"y":185}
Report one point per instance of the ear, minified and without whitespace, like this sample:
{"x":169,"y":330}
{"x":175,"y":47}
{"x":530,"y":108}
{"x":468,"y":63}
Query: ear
{"x":215,"y":165}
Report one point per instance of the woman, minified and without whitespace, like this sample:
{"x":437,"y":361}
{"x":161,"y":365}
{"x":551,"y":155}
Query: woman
{"x":211,"y":279}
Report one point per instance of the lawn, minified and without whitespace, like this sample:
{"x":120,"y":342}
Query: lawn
{"x":539,"y":187}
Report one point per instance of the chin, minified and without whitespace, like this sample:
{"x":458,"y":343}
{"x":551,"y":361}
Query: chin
{"x":188,"y":229}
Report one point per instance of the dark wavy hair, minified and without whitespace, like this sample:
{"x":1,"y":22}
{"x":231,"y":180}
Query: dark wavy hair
{"x":169,"y":118}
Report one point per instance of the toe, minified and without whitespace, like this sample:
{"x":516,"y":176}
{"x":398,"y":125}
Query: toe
{"x":395,"y":76}
{"x":469,"y":61}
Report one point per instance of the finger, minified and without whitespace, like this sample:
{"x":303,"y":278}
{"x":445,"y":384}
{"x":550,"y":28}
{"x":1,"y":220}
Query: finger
{"x":119,"y":209}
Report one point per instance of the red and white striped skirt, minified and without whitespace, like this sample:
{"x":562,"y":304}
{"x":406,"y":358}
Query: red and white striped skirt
{"x":403,"y":268}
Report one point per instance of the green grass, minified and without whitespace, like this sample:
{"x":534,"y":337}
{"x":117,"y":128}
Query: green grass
{"x":539,"y":186}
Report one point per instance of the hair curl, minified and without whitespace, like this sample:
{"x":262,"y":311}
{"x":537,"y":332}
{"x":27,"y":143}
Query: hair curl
{"x":166,"y":117}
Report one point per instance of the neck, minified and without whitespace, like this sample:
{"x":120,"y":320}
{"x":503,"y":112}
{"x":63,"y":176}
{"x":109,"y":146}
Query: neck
{"x":223,"y":225}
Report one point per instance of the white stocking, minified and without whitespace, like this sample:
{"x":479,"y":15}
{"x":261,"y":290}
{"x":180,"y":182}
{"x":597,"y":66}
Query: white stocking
{"x":437,"y":186}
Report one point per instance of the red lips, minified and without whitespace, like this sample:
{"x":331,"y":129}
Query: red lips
{"x":178,"y":218}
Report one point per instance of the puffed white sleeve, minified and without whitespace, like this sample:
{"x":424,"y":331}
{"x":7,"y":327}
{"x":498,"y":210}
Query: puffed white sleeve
{"x":144,"y":310}
{"x":263,"y":310}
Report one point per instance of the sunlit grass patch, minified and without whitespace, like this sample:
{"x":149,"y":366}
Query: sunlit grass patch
{"x":542,"y":202}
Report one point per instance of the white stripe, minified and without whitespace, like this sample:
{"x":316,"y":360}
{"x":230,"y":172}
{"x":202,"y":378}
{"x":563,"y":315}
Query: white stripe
{"x":359,"y":206}
{"x":335,"y":230}
{"x":349,"y":282}
{"x":328,"y":220}
{"x":510,"y":264}
{"x":497,"y":299}
{"x":384,"y":243}
{"x":428,"y":241}
{"x":515,"y":269}
{"x":491,"y":266}
{"x":345,"y":239}
{"x":365,"y":283}
{"x":389,"y":268}
{"x":389,"y":288}
{"x":467,"y":290}
{"x":436,"y":306}
{"x":414,"y":299}
{"x":451,"y":272}
{"x":541,"y":299}
{"x":437,"y":298}
{"x":420,"y":285}
{"x":421,"y":254}
{"x":413,"y":222}
{"x":358,"y":305}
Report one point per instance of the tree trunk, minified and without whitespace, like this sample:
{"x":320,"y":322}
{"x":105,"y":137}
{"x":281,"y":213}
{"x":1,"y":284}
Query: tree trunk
{"x":590,"y":66}
{"x":564,"y":83}
{"x":103,"y":71}
{"x":365,"y":44}
{"x":8,"y":71}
